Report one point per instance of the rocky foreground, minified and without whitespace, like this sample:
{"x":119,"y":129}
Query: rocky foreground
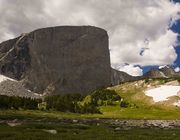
{"x":116,"y":124}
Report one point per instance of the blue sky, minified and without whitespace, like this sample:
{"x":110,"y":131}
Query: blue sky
{"x":175,"y":28}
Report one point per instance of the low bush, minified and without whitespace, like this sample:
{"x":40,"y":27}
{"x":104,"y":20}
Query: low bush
{"x":104,"y":97}
{"x":70,"y":103}
{"x":79,"y":104}
{"x":64,"y":103}
{"x":124,"y":104}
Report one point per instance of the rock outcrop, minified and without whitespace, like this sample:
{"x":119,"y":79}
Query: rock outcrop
{"x":164,"y":72}
{"x":168,"y":71}
{"x":58,"y":60}
{"x":118,"y":77}
{"x":154,"y":73}
{"x":15,"y":88}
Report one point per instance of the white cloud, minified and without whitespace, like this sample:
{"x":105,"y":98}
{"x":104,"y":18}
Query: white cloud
{"x":177,"y":69}
{"x":132,"y":70}
{"x":138,"y":29}
{"x":161,"y":50}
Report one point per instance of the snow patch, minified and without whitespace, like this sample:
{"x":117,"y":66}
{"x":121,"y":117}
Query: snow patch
{"x":164,"y":66}
{"x":4,"y":78}
{"x":163,"y":75}
{"x":162,"y":93}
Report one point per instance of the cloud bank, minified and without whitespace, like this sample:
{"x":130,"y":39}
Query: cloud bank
{"x":139,"y":30}
{"x":131,"y":70}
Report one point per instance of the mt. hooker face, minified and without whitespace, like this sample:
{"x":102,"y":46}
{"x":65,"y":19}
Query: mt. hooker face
{"x":58,"y":60}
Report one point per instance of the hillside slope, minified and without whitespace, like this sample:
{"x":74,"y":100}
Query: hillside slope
{"x":140,"y":105}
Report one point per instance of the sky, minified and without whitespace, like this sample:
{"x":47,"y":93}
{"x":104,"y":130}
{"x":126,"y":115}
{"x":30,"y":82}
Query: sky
{"x":142,"y":33}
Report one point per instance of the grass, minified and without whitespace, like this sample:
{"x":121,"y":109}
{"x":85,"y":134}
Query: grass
{"x":140,"y":113}
{"x":141,"y":107}
{"x":114,"y":112}
{"x":88,"y":132}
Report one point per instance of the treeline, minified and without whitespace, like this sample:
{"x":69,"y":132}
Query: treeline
{"x":104,"y":97}
{"x":75,"y":103}
{"x":14,"y":102}
{"x":69,"y":103}
{"x":82,"y":104}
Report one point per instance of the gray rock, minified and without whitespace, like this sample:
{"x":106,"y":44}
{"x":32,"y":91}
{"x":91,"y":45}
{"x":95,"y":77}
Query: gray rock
{"x":15,"y":88}
{"x":75,"y":121}
{"x":165,"y":72}
{"x":58,"y":60}
{"x":117,"y":129}
{"x":51,"y":131}
{"x":118,"y":77}
{"x":168,"y":71}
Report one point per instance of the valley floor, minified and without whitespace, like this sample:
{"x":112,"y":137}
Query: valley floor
{"x":50,"y":125}
{"x":78,"y":130}
{"x":142,"y":119}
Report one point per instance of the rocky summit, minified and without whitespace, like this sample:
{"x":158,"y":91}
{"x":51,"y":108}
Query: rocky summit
{"x":58,"y":60}
{"x":164,"y":72}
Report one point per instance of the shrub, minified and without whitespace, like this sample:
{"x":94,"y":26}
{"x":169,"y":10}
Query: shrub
{"x":79,"y":104}
{"x":104,"y":97}
{"x":64,"y":103}
{"x":124,"y":104}
{"x":42,"y":106}
{"x":71,"y":103}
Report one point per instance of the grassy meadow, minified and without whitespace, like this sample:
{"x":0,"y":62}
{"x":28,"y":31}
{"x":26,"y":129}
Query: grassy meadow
{"x":136,"y":105}
{"x":139,"y":106}
{"x":87,"y":132}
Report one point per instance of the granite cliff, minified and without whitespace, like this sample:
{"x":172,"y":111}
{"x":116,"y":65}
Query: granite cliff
{"x":58,"y":60}
{"x":118,"y":77}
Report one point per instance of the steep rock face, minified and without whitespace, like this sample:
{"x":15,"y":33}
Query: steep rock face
{"x":168,"y":71}
{"x":165,"y":72}
{"x":15,"y":57}
{"x":118,"y":77}
{"x":154,"y":73}
{"x":58,"y":60}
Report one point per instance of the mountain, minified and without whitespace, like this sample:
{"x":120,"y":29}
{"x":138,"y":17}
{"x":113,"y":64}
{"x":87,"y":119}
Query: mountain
{"x":163,"y":72}
{"x":58,"y":60}
{"x":118,"y":77}
{"x":61,"y":60}
{"x":168,"y":71}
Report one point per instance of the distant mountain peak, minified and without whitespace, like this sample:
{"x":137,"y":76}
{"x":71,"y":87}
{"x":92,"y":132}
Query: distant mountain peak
{"x":165,"y":71}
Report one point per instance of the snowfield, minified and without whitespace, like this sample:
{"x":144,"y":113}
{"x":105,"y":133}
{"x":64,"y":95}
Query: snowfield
{"x":163,"y":92}
{"x":4,"y":78}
